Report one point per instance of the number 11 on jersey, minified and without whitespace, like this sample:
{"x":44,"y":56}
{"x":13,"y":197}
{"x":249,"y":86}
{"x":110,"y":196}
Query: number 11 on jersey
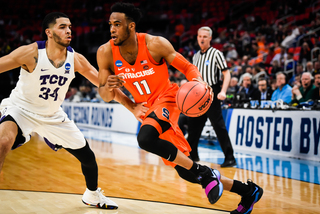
{"x":145,"y":85}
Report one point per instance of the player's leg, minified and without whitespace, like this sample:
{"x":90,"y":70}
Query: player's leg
{"x":10,"y":137}
{"x":195,"y":125}
{"x":93,"y":195}
{"x":88,"y":165}
{"x":250,"y":194}
{"x":148,"y":139}
{"x":68,"y":136}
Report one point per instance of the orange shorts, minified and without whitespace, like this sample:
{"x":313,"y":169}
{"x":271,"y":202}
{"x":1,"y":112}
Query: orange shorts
{"x":166,"y":109}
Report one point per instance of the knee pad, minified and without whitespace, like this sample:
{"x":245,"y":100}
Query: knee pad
{"x":146,"y":136}
{"x":148,"y":139}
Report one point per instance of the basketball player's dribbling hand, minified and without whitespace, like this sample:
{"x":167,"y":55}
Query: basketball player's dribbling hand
{"x":115,"y":81}
{"x":139,"y":110}
{"x":206,"y":84}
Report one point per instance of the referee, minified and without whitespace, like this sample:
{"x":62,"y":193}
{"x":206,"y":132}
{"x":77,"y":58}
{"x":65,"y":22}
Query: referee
{"x":212,"y":65}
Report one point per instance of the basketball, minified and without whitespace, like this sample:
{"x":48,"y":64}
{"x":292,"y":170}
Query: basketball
{"x":193,"y":99}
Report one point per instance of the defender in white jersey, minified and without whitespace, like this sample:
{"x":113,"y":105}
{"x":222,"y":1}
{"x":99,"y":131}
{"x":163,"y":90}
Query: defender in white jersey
{"x":47,"y":68}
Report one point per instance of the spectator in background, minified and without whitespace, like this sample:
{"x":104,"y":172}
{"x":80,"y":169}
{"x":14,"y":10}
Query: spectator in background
{"x":73,"y":95}
{"x":237,"y":72}
{"x":297,"y":81}
{"x":316,"y":67}
{"x":291,"y":38}
{"x":280,"y":57}
{"x":305,"y":91}
{"x":290,"y":63}
{"x":87,"y":94}
{"x":283,"y":91}
{"x":248,"y":71}
{"x":265,"y":91}
{"x":316,"y":90}
{"x":274,"y":69}
{"x":270,"y":56}
{"x":232,"y":53}
{"x":254,"y":50}
{"x":251,"y":92}
{"x":298,"y":73}
{"x":233,"y":86}
{"x":245,"y":62}
{"x":273,"y":84}
{"x":305,"y":53}
{"x":309,"y":67}
{"x":257,"y":73}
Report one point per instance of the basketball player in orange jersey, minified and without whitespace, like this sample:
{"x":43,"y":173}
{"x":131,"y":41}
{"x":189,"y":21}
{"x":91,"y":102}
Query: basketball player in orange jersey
{"x":138,"y":61}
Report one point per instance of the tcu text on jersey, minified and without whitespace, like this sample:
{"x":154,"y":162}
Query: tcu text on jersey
{"x":51,"y":80}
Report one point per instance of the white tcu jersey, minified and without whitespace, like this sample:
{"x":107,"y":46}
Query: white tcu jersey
{"x":43,"y":91}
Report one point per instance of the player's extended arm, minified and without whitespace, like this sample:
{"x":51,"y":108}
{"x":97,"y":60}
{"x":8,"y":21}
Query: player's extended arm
{"x":23,"y":56}
{"x":162,"y":47}
{"x":84,"y":67}
{"x":109,"y":83}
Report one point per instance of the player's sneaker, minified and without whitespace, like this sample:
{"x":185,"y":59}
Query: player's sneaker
{"x":247,"y":201}
{"x":210,"y":181}
{"x":97,"y":199}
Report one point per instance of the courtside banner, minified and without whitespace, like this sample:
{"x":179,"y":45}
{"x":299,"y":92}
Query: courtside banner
{"x":286,"y":133}
{"x":113,"y":117}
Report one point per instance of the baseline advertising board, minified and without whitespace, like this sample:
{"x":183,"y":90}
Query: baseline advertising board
{"x":286,"y":133}
{"x":113,"y":117}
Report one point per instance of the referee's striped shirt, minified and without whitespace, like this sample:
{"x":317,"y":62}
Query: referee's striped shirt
{"x":210,"y":65}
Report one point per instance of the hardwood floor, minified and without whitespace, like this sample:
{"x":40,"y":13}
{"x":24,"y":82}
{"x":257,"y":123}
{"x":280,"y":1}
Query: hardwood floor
{"x":127,"y":173}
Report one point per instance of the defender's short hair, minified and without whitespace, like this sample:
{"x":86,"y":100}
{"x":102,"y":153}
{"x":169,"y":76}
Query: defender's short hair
{"x":50,"y":19}
{"x":207,"y":29}
{"x":133,"y":13}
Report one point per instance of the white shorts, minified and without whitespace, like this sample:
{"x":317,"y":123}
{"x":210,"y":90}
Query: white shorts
{"x":57,"y":130}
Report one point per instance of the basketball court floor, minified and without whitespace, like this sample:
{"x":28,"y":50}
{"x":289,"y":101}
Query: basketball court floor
{"x":36,"y":179}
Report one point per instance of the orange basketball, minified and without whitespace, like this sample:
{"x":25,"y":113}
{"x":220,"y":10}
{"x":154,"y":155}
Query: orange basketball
{"x":193,"y":99}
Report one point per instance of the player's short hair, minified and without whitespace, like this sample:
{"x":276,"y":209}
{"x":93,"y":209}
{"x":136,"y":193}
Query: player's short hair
{"x":133,"y":13}
{"x":207,"y":29}
{"x":50,"y":19}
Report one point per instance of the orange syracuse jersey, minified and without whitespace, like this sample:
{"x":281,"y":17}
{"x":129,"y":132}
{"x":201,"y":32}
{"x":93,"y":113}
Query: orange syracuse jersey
{"x":146,"y":80}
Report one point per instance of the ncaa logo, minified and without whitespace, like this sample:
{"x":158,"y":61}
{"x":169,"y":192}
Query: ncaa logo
{"x":67,"y":67}
{"x":118,"y":63}
{"x":207,"y":62}
{"x":146,"y":67}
